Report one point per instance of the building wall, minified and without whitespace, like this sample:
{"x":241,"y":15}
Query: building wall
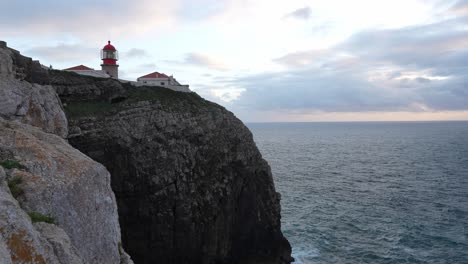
{"x":170,"y":83}
{"x":177,"y":88}
{"x":97,"y":73}
{"x":155,"y":81}
{"x":112,"y":70}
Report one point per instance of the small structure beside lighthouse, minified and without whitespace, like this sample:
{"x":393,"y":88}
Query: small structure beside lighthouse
{"x":109,"y":57}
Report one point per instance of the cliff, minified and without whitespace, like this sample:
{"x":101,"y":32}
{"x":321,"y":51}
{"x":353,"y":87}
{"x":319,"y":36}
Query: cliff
{"x":190,"y":184}
{"x":56,"y":204}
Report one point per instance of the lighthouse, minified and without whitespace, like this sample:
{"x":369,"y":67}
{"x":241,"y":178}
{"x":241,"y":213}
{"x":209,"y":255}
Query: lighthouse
{"x":109,"y":57}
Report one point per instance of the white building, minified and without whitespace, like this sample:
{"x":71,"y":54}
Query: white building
{"x":162,"y":80}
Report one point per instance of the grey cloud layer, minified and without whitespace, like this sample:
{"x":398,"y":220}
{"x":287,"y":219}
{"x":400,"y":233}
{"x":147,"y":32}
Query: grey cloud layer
{"x":202,"y":60}
{"x":86,"y":18}
{"x":422,"y":68}
{"x":301,"y":13}
{"x":136,"y":53}
{"x":63,"y":52}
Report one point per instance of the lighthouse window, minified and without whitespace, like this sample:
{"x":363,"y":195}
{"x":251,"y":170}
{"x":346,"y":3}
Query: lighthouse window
{"x":108,"y":55}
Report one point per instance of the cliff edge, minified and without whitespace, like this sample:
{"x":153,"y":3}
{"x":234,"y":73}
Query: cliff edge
{"x":189,"y":182}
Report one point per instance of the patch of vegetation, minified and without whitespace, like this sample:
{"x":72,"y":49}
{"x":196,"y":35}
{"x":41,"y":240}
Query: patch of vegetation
{"x":12,"y":164}
{"x":15,"y":189}
{"x":169,"y":99}
{"x":81,"y":109}
{"x":38,"y":217}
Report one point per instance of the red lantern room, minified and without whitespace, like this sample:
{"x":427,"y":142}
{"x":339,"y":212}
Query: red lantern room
{"x":109,"y":57}
{"x":109,"y":54}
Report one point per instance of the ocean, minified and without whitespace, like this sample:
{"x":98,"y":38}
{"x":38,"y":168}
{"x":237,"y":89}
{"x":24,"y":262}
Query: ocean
{"x":371,"y":192}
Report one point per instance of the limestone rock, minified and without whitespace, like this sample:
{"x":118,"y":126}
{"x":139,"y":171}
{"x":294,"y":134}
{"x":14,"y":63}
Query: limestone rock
{"x":27,"y":101}
{"x":74,"y":87}
{"x":19,"y":240}
{"x":4,"y":253}
{"x":63,"y":183}
{"x":61,"y":243}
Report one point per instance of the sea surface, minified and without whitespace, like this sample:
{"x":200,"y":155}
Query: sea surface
{"x":371,"y":192}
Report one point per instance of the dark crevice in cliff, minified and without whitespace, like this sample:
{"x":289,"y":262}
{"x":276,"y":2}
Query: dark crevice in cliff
{"x":173,"y":183}
{"x":174,"y":222}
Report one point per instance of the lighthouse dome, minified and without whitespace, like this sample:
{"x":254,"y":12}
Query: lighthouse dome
{"x":109,"y":46}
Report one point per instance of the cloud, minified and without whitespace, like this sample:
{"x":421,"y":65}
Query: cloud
{"x":460,"y":8}
{"x":135,"y":53}
{"x":301,"y":13}
{"x":412,"y":69}
{"x":63,"y":52}
{"x":89,"y":19}
{"x":301,"y":58}
{"x":350,"y":92}
{"x":424,"y":46}
{"x":202,"y":60}
{"x":210,"y":8}
{"x":139,"y":70}
{"x":147,"y":66}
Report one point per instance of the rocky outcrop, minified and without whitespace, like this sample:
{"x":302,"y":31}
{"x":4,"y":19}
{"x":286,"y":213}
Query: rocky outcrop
{"x":61,"y":243}
{"x":190,"y":183}
{"x":43,"y":178}
{"x":61,"y":182}
{"x":74,"y":87}
{"x":24,"y":98}
{"x":20,"y":242}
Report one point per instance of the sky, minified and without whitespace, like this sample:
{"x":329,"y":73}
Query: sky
{"x":269,"y":61}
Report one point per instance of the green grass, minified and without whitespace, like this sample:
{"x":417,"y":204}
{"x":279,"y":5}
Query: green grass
{"x":168,"y":99}
{"x":12,"y":164}
{"x":81,"y":109}
{"x":38,"y":217}
{"x":14,"y":187}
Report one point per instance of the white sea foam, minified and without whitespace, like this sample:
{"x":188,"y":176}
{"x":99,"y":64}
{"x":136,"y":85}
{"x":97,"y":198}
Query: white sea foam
{"x":305,"y":255}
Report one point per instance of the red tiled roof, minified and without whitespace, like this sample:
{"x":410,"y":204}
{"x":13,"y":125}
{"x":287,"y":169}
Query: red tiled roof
{"x":155,"y":75}
{"x":79,"y":68}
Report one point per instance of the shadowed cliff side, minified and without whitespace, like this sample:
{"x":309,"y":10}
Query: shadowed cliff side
{"x":190,"y":183}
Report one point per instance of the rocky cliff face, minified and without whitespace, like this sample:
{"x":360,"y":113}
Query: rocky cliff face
{"x":189,"y":182}
{"x":24,"y":97}
{"x":56,"y":204}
